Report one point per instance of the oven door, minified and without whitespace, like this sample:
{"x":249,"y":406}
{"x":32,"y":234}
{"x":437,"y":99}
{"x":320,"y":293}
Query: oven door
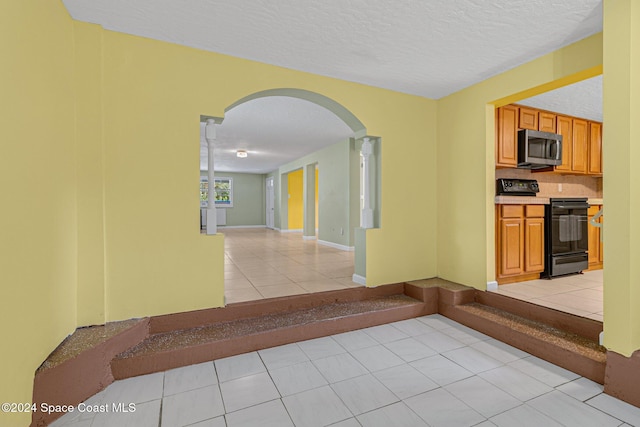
{"x":569,"y":229}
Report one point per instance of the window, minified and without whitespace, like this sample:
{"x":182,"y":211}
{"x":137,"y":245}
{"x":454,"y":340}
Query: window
{"x":223,"y":191}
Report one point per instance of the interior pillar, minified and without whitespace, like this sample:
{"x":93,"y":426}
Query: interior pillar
{"x":621,"y":155}
{"x":212,"y":220}
{"x":366,"y":219}
{"x":309,"y":201}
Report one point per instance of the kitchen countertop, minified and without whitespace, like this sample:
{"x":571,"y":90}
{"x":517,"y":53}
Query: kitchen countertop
{"x":521,"y":200}
{"x":532,"y":200}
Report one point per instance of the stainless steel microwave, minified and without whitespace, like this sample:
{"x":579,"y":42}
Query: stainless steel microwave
{"x":537,"y":150}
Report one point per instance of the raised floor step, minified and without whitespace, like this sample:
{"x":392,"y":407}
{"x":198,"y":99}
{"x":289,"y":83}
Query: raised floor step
{"x":567,"y":349}
{"x":167,"y":350}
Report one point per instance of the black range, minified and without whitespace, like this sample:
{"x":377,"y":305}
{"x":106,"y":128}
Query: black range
{"x":566,"y":236}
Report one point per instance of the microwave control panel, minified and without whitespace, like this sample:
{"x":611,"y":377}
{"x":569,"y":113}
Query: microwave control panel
{"x":516,"y":187}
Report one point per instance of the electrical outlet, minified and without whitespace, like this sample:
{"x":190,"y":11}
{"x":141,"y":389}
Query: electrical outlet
{"x":560,"y":188}
{"x":342,"y":231}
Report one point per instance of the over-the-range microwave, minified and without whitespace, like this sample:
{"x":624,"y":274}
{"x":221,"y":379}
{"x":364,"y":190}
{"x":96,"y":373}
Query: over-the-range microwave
{"x":537,"y":150}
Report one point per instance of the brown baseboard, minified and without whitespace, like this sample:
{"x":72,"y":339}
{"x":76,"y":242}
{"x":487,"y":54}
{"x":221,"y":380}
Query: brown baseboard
{"x":622,"y":377}
{"x":517,"y":279}
{"x":582,"y":326}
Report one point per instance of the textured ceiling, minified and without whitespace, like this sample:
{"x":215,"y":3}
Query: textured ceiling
{"x":273,"y":130}
{"x":582,"y":99}
{"x":428,"y":48}
{"x":424,"y":47}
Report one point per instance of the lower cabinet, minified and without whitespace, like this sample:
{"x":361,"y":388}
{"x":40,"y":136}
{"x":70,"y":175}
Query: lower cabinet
{"x":520,"y":242}
{"x":595,"y":241}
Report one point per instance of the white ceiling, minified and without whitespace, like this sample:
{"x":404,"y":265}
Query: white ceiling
{"x":582,"y":99}
{"x":273,"y":130}
{"x":428,"y":48}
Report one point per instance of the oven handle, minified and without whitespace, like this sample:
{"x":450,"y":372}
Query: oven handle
{"x":571,"y":206}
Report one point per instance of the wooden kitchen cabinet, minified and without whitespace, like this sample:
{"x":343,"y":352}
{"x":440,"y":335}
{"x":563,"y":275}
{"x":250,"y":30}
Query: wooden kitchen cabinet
{"x":511,"y":241}
{"x":546,"y":122}
{"x":595,"y":241}
{"x":520,"y":242}
{"x":565,"y":128}
{"x":595,"y":148}
{"x":580,"y":149}
{"x":581,"y":139}
{"x":507,"y":133}
{"x":534,"y":239}
{"x":528,"y":118}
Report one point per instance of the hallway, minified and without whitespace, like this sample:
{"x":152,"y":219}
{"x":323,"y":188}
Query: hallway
{"x":264,"y":263}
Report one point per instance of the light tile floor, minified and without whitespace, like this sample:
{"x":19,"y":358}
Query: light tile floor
{"x":429,"y":371}
{"x":579,"y":294}
{"x":263,"y":263}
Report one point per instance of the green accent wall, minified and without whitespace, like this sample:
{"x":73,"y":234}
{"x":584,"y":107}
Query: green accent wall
{"x":248,"y":198}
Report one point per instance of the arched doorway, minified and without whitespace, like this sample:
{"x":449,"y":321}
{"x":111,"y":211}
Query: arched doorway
{"x":330,"y":176}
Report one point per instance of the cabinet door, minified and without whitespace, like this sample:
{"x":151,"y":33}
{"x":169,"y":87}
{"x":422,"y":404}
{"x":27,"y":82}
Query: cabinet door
{"x":511,"y":246}
{"x":595,"y":148}
{"x":546,"y":122}
{"x":565,"y":128}
{"x":528,"y":118}
{"x":580,"y":155}
{"x":601,"y":257}
{"x":507,"y":136}
{"x":594,"y":243}
{"x":534,"y":245}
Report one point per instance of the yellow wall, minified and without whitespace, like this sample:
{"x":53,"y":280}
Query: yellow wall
{"x":405,"y":246}
{"x":90,"y":170}
{"x":102,"y":154}
{"x":466,"y":164}
{"x":156,"y":260}
{"x":622,"y":184}
{"x":38,"y":237}
{"x":295,"y":201}
{"x":151,"y":98}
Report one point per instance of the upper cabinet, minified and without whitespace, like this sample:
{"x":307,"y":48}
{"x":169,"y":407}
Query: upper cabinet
{"x":507,"y":135}
{"x":547,"y":122}
{"x":581,"y":139}
{"x":565,"y":128}
{"x":528,"y":118}
{"x":595,"y":148}
{"x":580,"y":154}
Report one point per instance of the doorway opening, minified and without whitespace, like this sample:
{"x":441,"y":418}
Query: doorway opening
{"x":575,"y":112}
{"x":300,"y":204}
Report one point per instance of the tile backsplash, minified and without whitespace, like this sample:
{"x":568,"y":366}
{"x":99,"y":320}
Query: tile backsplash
{"x":572,"y":185}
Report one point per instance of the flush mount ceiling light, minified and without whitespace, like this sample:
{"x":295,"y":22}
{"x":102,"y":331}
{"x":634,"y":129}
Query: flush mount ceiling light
{"x":241,"y":153}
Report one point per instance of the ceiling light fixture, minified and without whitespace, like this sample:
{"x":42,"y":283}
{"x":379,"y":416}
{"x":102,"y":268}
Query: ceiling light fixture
{"x":241,"y":153}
